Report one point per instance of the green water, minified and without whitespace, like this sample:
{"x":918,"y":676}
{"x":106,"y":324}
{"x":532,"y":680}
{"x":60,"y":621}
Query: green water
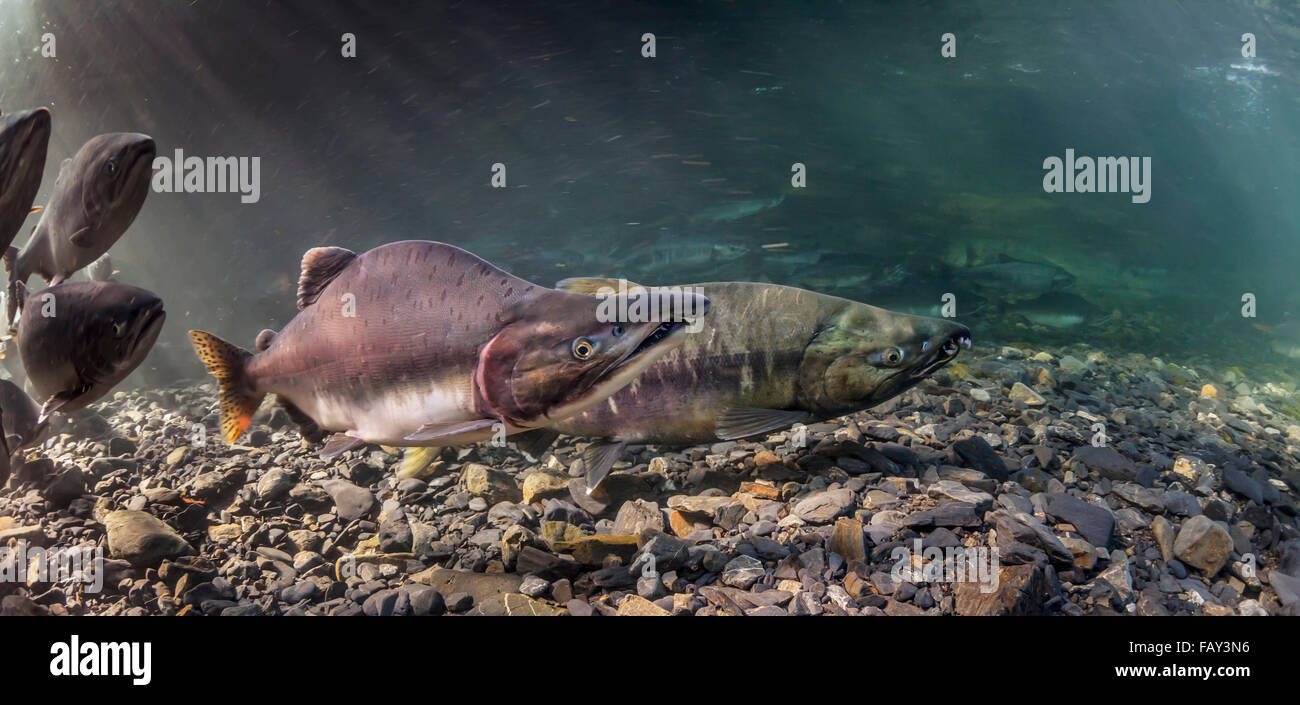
{"x":922,"y":170}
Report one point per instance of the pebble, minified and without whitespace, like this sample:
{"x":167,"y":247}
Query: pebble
{"x":1182,"y":483}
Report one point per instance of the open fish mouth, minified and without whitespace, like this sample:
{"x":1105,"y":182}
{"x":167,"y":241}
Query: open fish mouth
{"x":664,"y":332}
{"x":659,"y":334}
{"x":942,"y":354}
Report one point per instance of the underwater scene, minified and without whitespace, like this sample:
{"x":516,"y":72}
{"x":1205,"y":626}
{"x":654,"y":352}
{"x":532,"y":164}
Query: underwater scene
{"x":610,"y":308}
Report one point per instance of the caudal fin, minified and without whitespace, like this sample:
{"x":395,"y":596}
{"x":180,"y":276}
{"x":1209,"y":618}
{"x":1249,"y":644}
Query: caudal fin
{"x":226,"y":362}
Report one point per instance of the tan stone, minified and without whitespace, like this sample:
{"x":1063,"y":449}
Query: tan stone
{"x":766,"y":457}
{"x":847,"y":540}
{"x":1019,"y":591}
{"x":637,"y":606}
{"x":680,"y":525}
{"x":759,"y":490}
{"x":559,"y":533}
{"x":592,"y":550}
{"x":222,"y":533}
{"x":707,"y":506}
{"x":545,"y":485}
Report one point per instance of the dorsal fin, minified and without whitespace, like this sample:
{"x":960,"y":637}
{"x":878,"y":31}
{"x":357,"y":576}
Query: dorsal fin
{"x":592,"y":285}
{"x":319,"y":267}
{"x":264,"y":339}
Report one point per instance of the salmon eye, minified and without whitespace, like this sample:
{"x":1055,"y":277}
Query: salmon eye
{"x":583,"y":348}
{"x":892,"y":356}
{"x":618,"y":331}
{"x":111,"y":166}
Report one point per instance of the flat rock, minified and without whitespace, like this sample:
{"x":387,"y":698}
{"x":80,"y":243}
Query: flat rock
{"x":957,"y":492}
{"x":1023,"y":394}
{"x":637,"y":606}
{"x":545,"y":485}
{"x":480,"y":586}
{"x":1094,"y":523}
{"x":1109,"y":463}
{"x":1243,"y":484}
{"x":142,"y":539}
{"x":823,"y":507}
{"x":489,"y":483}
{"x":979,"y":455}
{"x":636,"y":516}
{"x":1020,"y":591}
{"x":1136,"y":494}
{"x":350,"y":501}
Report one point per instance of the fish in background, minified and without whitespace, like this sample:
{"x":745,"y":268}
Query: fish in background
{"x":676,"y":254}
{"x":1012,"y":280}
{"x":1056,"y":309}
{"x":80,"y":339}
{"x":22,"y":423}
{"x":441,"y":348}
{"x":735,"y":210}
{"x":96,"y":197}
{"x":1284,"y":339}
{"x":767,"y":357}
{"x":24,"y":139}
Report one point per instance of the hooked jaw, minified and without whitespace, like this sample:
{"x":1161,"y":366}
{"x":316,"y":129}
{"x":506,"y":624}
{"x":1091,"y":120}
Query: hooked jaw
{"x":941,"y":350}
{"x":667,"y":335}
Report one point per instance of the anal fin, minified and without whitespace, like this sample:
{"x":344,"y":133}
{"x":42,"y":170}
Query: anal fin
{"x":416,"y":461}
{"x":307,"y":426}
{"x":435,"y":431}
{"x":742,"y":422}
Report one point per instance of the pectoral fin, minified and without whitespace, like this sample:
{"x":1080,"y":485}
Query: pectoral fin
{"x":340,"y":443}
{"x":56,"y":402}
{"x":742,"y":422}
{"x":535,"y":442}
{"x":598,"y":459}
{"x":81,"y":238}
{"x":435,"y":431}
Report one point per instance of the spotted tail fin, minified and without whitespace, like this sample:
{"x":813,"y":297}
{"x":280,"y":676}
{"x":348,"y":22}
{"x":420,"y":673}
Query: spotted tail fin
{"x":227,"y":363}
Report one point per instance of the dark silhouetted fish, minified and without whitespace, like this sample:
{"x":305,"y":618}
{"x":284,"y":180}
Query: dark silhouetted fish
{"x":96,"y":197}
{"x":79,"y":339}
{"x":439,"y":347}
{"x":24,"y":138}
{"x":22,"y":422}
{"x":767,"y":357}
{"x":1012,"y":280}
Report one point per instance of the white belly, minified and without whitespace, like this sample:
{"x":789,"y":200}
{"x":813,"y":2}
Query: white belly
{"x":388,"y":419}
